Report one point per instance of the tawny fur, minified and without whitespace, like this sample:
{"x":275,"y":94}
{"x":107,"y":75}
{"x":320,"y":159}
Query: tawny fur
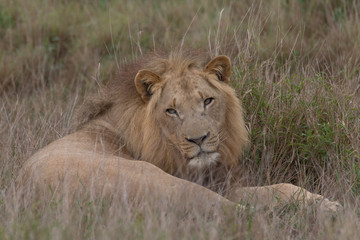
{"x":126,"y":123}
{"x":125,"y":115}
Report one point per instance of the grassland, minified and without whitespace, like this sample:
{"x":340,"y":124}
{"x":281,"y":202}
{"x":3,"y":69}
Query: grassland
{"x":296,"y":67}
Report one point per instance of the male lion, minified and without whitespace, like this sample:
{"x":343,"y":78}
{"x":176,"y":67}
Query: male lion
{"x":166,"y":120}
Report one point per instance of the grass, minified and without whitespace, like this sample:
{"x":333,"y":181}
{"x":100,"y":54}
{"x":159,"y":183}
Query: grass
{"x":295,"y":67}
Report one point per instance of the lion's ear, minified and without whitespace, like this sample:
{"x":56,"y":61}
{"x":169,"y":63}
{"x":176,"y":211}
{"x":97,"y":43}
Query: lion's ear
{"x":221,"y":67}
{"x":144,"y":80}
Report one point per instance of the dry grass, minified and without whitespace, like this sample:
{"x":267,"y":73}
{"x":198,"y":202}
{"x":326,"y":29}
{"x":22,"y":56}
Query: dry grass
{"x":296,"y":68}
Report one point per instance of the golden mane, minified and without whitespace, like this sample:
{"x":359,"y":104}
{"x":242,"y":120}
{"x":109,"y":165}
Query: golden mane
{"x":119,"y":111}
{"x":123,"y":123}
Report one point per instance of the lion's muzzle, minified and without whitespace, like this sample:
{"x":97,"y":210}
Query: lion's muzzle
{"x":198,"y":140}
{"x":204,"y":160}
{"x":200,"y":151}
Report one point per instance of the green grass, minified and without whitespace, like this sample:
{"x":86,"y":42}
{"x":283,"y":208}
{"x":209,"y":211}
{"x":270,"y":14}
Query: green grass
{"x":295,"y":67}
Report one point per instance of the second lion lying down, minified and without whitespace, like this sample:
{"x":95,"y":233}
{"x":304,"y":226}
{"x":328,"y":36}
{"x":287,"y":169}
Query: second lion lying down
{"x":177,"y":115}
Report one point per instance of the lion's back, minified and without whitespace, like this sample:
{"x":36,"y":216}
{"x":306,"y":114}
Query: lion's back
{"x":65,"y":156}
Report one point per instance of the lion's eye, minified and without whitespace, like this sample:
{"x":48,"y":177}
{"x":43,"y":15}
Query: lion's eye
{"x":208,"y":101}
{"x":171,"y":111}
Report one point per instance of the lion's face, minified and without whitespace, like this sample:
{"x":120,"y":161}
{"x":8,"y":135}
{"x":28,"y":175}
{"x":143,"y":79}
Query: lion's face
{"x":190,"y":109}
{"x":191,"y":114}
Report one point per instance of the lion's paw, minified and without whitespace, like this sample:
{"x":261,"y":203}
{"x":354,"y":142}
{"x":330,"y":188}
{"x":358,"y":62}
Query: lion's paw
{"x":329,"y":206}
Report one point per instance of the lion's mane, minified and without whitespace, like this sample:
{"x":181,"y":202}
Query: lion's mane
{"x":119,"y":111}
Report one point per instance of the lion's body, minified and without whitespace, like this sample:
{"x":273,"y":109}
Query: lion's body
{"x":172,"y":113}
{"x":80,"y":161}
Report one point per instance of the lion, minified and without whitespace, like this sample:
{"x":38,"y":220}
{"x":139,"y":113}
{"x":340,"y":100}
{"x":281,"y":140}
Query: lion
{"x":168,"y":124}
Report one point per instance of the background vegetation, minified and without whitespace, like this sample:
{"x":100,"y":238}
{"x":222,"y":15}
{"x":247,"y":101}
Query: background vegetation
{"x":296,"y":67}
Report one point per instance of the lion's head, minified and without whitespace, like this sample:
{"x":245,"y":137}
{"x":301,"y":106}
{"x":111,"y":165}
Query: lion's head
{"x":175,"y":112}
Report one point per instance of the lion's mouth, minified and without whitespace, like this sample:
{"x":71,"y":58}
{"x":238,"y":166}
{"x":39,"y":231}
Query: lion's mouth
{"x":203,"y":159}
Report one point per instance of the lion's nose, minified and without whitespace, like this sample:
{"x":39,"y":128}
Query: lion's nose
{"x":198,"y":141}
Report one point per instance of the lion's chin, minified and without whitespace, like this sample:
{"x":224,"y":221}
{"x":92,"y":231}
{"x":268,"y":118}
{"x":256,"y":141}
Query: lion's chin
{"x":203,"y":160}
